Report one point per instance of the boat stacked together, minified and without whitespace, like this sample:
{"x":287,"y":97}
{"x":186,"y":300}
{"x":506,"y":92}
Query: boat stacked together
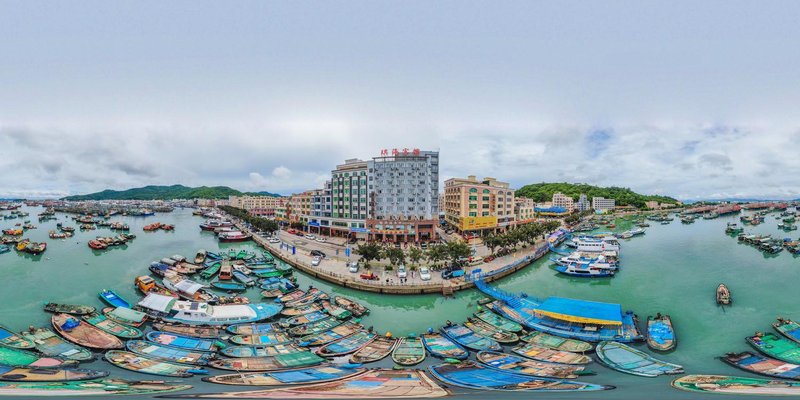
{"x":595,"y":256}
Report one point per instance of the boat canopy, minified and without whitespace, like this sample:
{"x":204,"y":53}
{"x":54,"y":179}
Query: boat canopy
{"x":581,"y":311}
{"x":187,"y":286}
{"x":158,"y":302}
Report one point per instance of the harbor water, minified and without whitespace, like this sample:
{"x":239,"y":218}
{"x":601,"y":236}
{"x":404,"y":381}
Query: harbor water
{"x":673,"y":269}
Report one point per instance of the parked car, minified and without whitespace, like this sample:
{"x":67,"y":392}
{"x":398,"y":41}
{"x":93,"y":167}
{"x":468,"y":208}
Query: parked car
{"x":310,"y":236}
{"x":488,"y":259}
{"x":317,"y":253}
{"x":370,"y":276}
{"x":452,"y":272}
{"x":423,"y":245}
{"x":352,"y":241}
{"x":401,"y":271}
{"x":274,"y":240}
{"x":353,"y":267}
{"x":298,"y":233}
{"x":425,"y":274}
{"x":321,"y":240}
{"x":315,"y":261}
{"x":291,"y":231}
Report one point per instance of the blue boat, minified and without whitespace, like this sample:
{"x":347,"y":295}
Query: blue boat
{"x":244,"y":279}
{"x":4,"y":249}
{"x":442,"y":347}
{"x":183,"y":342}
{"x":469,"y":339}
{"x":213,"y":256}
{"x":182,"y":356}
{"x":471,"y":375}
{"x":114,"y":299}
{"x":194,"y":313}
{"x":588,"y":270}
{"x":229,"y":286}
{"x":253,"y":328}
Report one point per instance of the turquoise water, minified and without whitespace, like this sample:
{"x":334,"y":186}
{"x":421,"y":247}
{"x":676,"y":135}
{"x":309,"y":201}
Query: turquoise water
{"x":673,"y":269}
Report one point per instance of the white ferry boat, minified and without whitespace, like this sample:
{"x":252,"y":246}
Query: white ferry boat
{"x":596,"y":244}
{"x":197,"y":313}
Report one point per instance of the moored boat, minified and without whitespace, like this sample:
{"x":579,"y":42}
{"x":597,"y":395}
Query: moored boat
{"x":76,"y":309}
{"x":315,"y":327}
{"x":10,"y":339}
{"x":660,"y":333}
{"x":626,"y":359}
{"x":347,"y":344}
{"x":12,"y":357}
{"x":302,"y":310}
{"x":101,"y":387}
{"x":409,"y":351}
{"x":734,"y":385}
{"x":302,"y":376}
{"x":788,"y":328}
{"x":758,"y":364}
{"x":183,"y":342}
{"x":376,"y":350}
{"x":22,"y":374}
{"x":723,"y":295}
{"x":200,"y":257}
{"x":170,"y":354}
{"x":336,"y":311}
{"x":205,"y":332}
{"x":777,"y":347}
{"x":541,"y":353}
{"x":150,"y":365}
{"x":83,"y":334}
{"x":471,"y":375}
{"x":229,"y":286}
{"x":499,"y":322}
{"x":350,"y":305}
{"x":557,"y":343}
{"x":524,"y":366}
{"x":254,"y":328}
{"x":210,"y":270}
{"x":323,"y":338}
{"x":125,"y":316}
{"x":484,"y":329}
{"x":272,"y":363}
{"x":261,"y":351}
{"x":50,"y":344}
{"x":307,"y":318}
{"x":469,"y":339}
{"x":440,"y":346}
{"x":107,"y":325}
{"x":113,"y":299}
{"x":264,"y":339}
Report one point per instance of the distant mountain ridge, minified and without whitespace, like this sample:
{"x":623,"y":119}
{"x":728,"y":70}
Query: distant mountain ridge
{"x":155,"y":192}
{"x":542,"y":192}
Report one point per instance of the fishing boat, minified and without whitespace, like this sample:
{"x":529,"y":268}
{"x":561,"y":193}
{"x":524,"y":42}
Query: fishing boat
{"x":170,"y":354}
{"x":291,"y":296}
{"x":150,"y":365}
{"x":264,"y":339}
{"x":484,"y":329}
{"x":254,"y":328}
{"x":200,"y":257}
{"x":315,"y":327}
{"x":241,"y":254}
{"x":229,"y":286}
{"x":83,"y":334}
{"x":758,"y":364}
{"x":323,"y":338}
{"x":307,"y":318}
{"x":12,"y":357}
{"x":268,"y":273}
{"x":350,"y":305}
{"x":189,"y":290}
{"x":376,"y":350}
{"x":776,"y":347}
{"x":499,"y":322}
{"x":311,"y":296}
{"x":468,"y":338}
{"x":244,"y":279}
{"x":52,"y":345}
{"x":10,"y":339}
{"x":205,"y":332}
{"x":22,"y":374}
{"x":301,"y":376}
{"x":471,"y":375}
{"x":232,"y":254}
{"x":546,"y":354}
{"x":101,"y":322}
{"x":125,"y":316}
{"x":557,"y":343}
{"x":409,"y":351}
{"x":146,"y":284}
{"x":788,"y":328}
{"x":302,"y":310}
{"x":210,"y":270}
{"x":626,"y":359}
{"x":113,"y":299}
{"x":347,"y":344}
{"x":660,"y":333}
{"x":443,"y":347}
{"x":336,"y":311}
{"x":524,"y":366}
{"x":261,"y":351}
{"x":272,"y":363}
{"x":234,"y":236}
{"x":103,"y":387}
{"x":75,"y":309}
{"x":734,"y":385}
{"x":183,"y":342}
{"x":723,"y":295}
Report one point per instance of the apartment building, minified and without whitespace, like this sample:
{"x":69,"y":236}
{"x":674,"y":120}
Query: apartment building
{"x":563,"y":201}
{"x":603,"y":204}
{"x":478,"y":206}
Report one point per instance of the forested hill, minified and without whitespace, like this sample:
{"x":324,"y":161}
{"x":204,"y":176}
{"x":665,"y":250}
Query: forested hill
{"x":166,"y":193}
{"x":542,"y":192}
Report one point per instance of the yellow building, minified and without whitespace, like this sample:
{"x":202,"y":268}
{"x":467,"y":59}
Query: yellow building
{"x":474,"y":206}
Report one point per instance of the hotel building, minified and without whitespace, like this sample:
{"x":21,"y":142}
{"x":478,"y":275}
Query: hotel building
{"x":349,"y":199}
{"x":603,"y":204}
{"x":563,"y":201}
{"x":478,"y":206}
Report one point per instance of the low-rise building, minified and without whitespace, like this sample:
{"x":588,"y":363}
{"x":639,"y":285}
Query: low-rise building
{"x":602,"y":204}
{"x":563,"y":201}
{"x":478,"y":206}
{"x":524,"y":210}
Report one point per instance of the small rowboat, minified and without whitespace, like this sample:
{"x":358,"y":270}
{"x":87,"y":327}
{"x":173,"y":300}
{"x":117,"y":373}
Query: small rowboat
{"x":469,"y":339}
{"x":11,"y":339}
{"x":100,"y":321}
{"x":113,"y":299}
{"x":50,"y":344}
{"x":307,"y":318}
{"x":736,"y":385}
{"x":303,"y":310}
{"x":660,"y":333}
{"x":277,"y":362}
{"x":776,"y":347}
{"x":150,"y":365}
{"x":228,"y":286}
{"x":484,"y":329}
{"x":471,"y":375}
{"x":183,"y":342}
{"x":376,"y":350}
{"x":302,"y":376}
{"x":442,"y":347}
{"x":261,"y":351}
{"x":788,"y":328}
{"x":205,"y":332}
{"x":17,"y":374}
{"x":557,"y":343}
{"x":409,"y":351}
{"x":546,"y":354}
{"x":211,"y":270}
{"x":293,"y":295}
{"x":350,"y":305}
{"x":758,"y":364}
{"x":626,"y":359}
{"x":200,"y":257}
{"x":83,"y":334}
{"x":524,"y":366}
{"x":346,"y":345}
{"x":170,"y":354}
{"x":23,"y":358}
{"x":254,"y":328}
{"x":499,"y":322}
{"x":264,"y":339}
{"x":335,"y":310}
{"x":76,"y":309}
{"x":315,"y":327}
{"x":323,"y":338}
{"x":311,"y":296}
{"x":80,"y":389}
{"x":125,"y":316}
{"x":269,"y":272}
{"x":723,"y":295}
{"x":244,"y":279}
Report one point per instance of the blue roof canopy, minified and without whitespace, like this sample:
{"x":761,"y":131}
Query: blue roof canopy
{"x":581,"y":311}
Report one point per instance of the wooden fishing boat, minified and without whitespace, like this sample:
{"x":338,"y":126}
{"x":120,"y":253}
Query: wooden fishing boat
{"x":146,"y":284}
{"x":84,"y":334}
{"x":50,"y":344}
{"x":315,"y":327}
{"x":244,"y":279}
{"x":489,"y":331}
{"x":758,"y":364}
{"x":409,"y":351}
{"x":183,"y":342}
{"x":624,"y":358}
{"x":293,"y":295}
{"x":373,"y":384}
{"x":301,"y":376}
{"x":229,"y":286}
{"x":75,"y":309}
{"x":336,"y":311}
{"x":723,"y":295}
{"x":256,"y":328}
{"x":776,"y":347}
{"x":272,"y":363}
{"x":170,"y":354}
{"x":311,"y":296}
{"x":443,"y":347}
{"x":469,"y":339}
{"x":271,"y":293}
{"x":350,"y":305}
{"x":347,"y":344}
{"x":104,"y":387}
{"x":307,"y":318}
{"x":376,"y":350}
{"x":200,"y":257}
{"x":471,"y":375}
{"x":205,"y":332}
{"x":557,"y":343}
{"x":524,"y":366}
{"x":113,"y":299}
{"x":323,"y":338}
{"x":735,"y":385}
{"x":269,"y":272}
{"x":22,"y":358}
{"x":660,"y":333}
{"x":264,"y":339}
{"x":788,"y":328}
{"x":125,"y":316}
{"x":499,"y":322}
{"x":21,"y":374}
{"x":546,"y":354}
{"x":100,"y":321}
{"x":297,"y":311}
{"x":261,"y":351}
{"x":211,"y":270}
{"x":149,"y":365}
{"x":11,"y":339}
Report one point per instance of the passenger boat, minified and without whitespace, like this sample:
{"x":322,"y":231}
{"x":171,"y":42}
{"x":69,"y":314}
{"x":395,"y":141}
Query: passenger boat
{"x":347,"y":344}
{"x":52,"y":345}
{"x":323,"y":338}
{"x":83,"y":334}
{"x":101,"y":322}
{"x":545,"y":354}
{"x":254,"y":328}
{"x":210,"y":225}
{"x":471,"y":375}
{"x":557,"y":343}
{"x":336,"y":311}
{"x":443,"y":347}
{"x":588,"y":270}
{"x":75,"y":309}
{"x":234,"y":236}
{"x":229,"y":286}
{"x":205,"y":332}
{"x":183,"y":342}
{"x":301,"y":376}
{"x":12,"y":357}
{"x":125,"y":316}
{"x":170,"y":354}
{"x":469,"y":339}
{"x":21,"y":374}
{"x":264,"y":339}
{"x":113,"y":299}
{"x":261,"y":351}
{"x":244,"y":279}
{"x":626,"y":359}
{"x":524,"y":366}
{"x":272,"y":363}
{"x":195,"y":313}
{"x":150,"y":365}
{"x":409,"y":351}
{"x":788,"y":328}
{"x":200,"y":257}
{"x":734,"y":385}
{"x":315,"y":327}
{"x":758,"y":364}
{"x":486,"y":330}
{"x":350,"y":305}
{"x":660,"y":333}
{"x":596,"y":244}
{"x":307,"y":318}
{"x":210,"y":270}
{"x":499,"y":322}
{"x":10,"y":339}
{"x":302,"y":310}
{"x":102,"y":387}
{"x":776,"y":347}
{"x":723,"y":295}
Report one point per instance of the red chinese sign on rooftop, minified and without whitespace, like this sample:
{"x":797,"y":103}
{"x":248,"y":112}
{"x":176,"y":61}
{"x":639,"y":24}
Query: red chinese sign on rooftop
{"x":400,"y":152}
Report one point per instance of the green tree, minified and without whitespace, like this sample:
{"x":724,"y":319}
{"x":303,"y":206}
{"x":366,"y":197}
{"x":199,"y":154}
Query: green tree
{"x":396,"y":256}
{"x":434,"y":254}
{"x":456,"y":251}
{"x":415,"y":254}
{"x":492,"y":241}
{"x":369,"y":252}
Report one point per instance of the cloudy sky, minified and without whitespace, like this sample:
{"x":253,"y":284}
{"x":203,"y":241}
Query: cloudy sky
{"x":690,"y":99}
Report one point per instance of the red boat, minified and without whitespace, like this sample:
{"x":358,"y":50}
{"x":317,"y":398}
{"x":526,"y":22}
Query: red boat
{"x":234,"y":236}
{"x":152,"y":227}
{"x":97,"y":245}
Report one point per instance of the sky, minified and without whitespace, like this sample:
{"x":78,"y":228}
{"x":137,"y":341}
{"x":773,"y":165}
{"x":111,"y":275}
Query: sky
{"x":697,"y":100}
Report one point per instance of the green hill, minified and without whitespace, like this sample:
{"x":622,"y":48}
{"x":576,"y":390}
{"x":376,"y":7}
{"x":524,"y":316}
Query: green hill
{"x":165,"y":193}
{"x":541,"y":192}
